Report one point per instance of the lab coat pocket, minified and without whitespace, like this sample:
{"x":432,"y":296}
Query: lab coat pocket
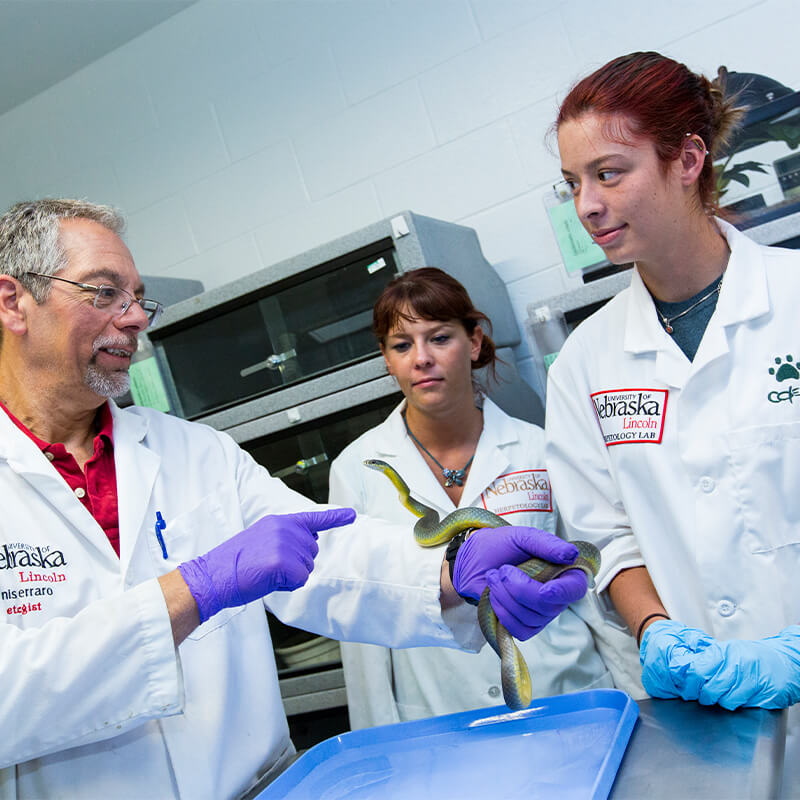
{"x":765,"y":465}
{"x":192,"y":534}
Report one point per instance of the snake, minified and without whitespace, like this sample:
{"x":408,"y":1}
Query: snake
{"x":430,"y":531}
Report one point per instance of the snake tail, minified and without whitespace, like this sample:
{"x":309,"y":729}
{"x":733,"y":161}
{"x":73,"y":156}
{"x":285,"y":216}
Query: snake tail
{"x":515,"y":679}
{"x":514,"y":676}
{"x":488,"y":622}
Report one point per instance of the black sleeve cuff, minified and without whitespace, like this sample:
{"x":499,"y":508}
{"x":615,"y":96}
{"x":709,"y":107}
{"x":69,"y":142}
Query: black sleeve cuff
{"x":450,"y":555}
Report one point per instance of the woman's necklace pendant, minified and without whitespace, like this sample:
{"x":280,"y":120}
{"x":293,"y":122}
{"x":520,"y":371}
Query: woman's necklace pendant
{"x":668,"y":328}
{"x":453,"y":476}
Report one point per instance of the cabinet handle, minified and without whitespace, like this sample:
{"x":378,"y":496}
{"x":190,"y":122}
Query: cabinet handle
{"x":272,"y":362}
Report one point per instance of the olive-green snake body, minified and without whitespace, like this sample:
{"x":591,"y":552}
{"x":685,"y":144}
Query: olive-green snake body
{"x":430,"y":531}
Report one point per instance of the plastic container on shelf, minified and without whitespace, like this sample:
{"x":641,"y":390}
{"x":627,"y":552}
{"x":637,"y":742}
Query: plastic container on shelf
{"x":147,"y":383}
{"x":547,"y":330}
{"x":315,"y":651}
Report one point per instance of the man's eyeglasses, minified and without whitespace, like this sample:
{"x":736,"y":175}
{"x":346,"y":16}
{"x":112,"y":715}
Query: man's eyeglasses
{"x":113,"y":300}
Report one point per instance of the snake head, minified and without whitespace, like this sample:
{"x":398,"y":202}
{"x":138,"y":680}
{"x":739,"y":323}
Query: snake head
{"x":391,"y":473}
{"x":376,"y":463}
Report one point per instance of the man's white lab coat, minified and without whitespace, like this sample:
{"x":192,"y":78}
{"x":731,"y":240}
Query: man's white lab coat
{"x":95,"y":701}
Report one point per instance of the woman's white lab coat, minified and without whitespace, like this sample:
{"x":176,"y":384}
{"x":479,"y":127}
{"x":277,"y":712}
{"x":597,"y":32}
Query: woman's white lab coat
{"x":508,"y":477}
{"x":95,"y":700}
{"x":691,"y":468}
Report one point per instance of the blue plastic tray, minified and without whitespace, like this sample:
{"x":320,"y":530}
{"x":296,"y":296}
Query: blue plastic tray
{"x":564,"y":747}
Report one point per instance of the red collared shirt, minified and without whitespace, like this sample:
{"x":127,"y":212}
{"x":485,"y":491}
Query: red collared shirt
{"x":96,"y":488}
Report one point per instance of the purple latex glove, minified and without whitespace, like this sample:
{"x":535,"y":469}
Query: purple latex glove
{"x":524,"y":606}
{"x":276,"y":553}
{"x":490,"y":548}
{"x":521,"y":605}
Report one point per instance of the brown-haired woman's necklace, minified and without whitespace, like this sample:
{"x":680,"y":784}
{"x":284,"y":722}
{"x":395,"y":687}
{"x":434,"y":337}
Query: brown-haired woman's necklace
{"x":451,"y":476}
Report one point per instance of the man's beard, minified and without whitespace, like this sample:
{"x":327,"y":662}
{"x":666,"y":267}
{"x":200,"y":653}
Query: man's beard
{"x":108,"y":383}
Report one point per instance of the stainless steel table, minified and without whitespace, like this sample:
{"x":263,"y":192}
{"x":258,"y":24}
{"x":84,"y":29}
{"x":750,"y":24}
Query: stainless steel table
{"x":685,"y":751}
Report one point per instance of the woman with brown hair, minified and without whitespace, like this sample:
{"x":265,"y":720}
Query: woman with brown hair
{"x":455,"y":448}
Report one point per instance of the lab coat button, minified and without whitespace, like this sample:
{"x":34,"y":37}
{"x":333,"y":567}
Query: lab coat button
{"x":707,"y":485}
{"x":80,"y":493}
{"x":494,"y":691}
{"x":726,"y":608}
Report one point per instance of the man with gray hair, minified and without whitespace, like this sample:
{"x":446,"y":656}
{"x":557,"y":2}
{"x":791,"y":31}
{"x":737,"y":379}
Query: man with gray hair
{"x":134,"y":650}
{"x":29,"y":237}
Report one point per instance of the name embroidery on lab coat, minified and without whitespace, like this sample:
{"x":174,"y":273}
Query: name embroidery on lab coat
{"x":28,"y":564}
{"x":629,"y":416}
{"x":518,"y":492}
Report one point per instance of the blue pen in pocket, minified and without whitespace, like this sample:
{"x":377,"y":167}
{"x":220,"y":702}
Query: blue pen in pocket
{"x":160,"y":525}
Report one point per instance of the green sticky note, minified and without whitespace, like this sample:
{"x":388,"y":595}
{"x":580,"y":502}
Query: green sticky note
{"x":577,"y":248}
{"x":147,"y":387}
{"x":549,"y":359}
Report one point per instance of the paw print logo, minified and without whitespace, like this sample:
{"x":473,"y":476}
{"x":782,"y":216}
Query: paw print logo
{"x":784,"y":370}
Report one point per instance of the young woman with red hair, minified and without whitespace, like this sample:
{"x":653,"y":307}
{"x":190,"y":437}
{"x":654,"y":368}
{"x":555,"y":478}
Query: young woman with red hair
{"x":455,"y":448}
{"x":673,"y":435}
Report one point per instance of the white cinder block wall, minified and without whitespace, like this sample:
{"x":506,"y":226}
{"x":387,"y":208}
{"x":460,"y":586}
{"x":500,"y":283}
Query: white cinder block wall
{"x":236,"y":134}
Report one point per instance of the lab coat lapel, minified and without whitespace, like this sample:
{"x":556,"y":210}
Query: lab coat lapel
{"x":745,"y":292}
{"x":137,"y":467}
{"x":644,"y":335}
{"x":25,"y":458}
{"x":490,"y":460}
{"x":396,"y":447}
{"x":744,"y":295}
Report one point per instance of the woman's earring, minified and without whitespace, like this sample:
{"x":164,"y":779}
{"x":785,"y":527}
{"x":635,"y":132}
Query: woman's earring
{"x":698,"y":142}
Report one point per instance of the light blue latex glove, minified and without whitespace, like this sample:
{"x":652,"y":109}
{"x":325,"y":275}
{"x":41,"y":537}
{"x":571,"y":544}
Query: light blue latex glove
{"x":667,"y":649}
{"x":764,"y":673}
{"x":523,"y":605}
{"x":275,"y":553}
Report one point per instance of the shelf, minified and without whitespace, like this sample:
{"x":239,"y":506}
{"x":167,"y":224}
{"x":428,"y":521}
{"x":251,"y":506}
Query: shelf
{"x":314,"y":691}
